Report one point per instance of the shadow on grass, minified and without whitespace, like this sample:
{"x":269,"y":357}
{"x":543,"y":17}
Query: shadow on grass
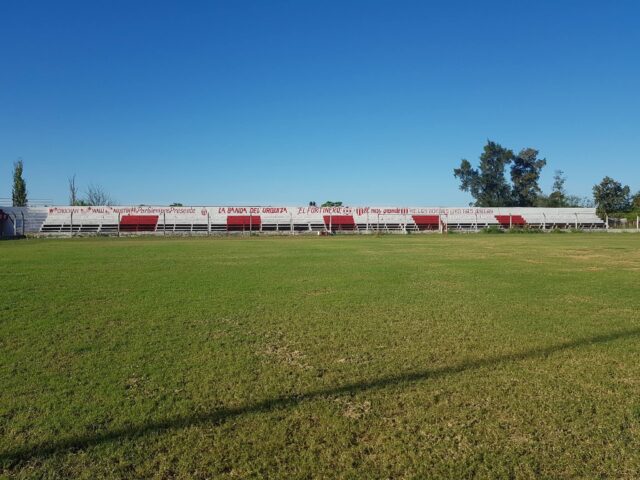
{"x":218,"y":416}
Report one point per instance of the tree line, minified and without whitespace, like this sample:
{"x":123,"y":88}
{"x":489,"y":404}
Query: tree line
{"x":488,"y":185}
{"x":93,"y":195}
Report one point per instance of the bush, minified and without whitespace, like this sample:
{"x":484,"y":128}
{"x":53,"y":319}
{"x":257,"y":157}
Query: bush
{"x":629,"y":216}
{"x":526,"y":230}
{"x":491,"y":230}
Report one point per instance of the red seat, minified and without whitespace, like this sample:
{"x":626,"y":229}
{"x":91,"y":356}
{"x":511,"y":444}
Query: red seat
{"x":426,"y":222}
{"x":138,"y":223}
{"x":511,"y":220}
{"x":339,"y":222}
{"x":240,"y":223}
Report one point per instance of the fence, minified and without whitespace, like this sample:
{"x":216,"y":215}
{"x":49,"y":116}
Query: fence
{"x":32,"y":202}
{"x":627,"y":223}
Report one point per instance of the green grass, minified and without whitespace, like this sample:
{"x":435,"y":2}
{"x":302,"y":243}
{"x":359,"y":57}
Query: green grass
{"x":512,"y":356}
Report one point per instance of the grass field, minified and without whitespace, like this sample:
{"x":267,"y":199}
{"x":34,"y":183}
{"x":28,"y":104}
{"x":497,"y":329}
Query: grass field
{"x":467,"y":356}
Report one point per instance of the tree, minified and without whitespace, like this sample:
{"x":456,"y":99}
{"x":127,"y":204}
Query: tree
{"x":176,"y":204}
{"x":312,"y":204}
{"x":487,"y":183}
{"x":635,"y":201}
{"x":19,"y":191}
{"x":332,"y":204}
{"x":558,"y":196}
{"x":611,"y":196}
{"x":525,"y":174}
{"x":73,"y":191}
{"x":95,"y":195}
{"x":576,"y":201}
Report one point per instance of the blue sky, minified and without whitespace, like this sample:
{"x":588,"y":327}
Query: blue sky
{"x":274,"y":102}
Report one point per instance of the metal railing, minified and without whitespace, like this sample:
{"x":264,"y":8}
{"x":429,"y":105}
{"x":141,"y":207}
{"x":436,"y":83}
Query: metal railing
{"x":31,"y":202}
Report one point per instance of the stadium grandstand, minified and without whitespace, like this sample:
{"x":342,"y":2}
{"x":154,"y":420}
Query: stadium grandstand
{"x":121,"y":220}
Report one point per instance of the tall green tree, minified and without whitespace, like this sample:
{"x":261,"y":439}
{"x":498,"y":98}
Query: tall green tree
{"x":19,"y":191}
{"x":525,"y":174}
{"x":611,"y":196}
{"x":635,"y":201}
{"x":487,"y":184}
{"x":558,"y":196}
{"x":576,"y":201}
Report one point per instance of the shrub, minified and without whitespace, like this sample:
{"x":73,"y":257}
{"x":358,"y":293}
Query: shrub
{"x":526,"y":230}
{"x":492,"y":229}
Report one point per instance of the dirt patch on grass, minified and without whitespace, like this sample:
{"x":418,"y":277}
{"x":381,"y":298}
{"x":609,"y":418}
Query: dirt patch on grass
{"x":284,"y":354}
{"x":576,"y":299}
{"x":536,"y":262}
{"x":352,"y":409}
{"x":584,"y":257}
